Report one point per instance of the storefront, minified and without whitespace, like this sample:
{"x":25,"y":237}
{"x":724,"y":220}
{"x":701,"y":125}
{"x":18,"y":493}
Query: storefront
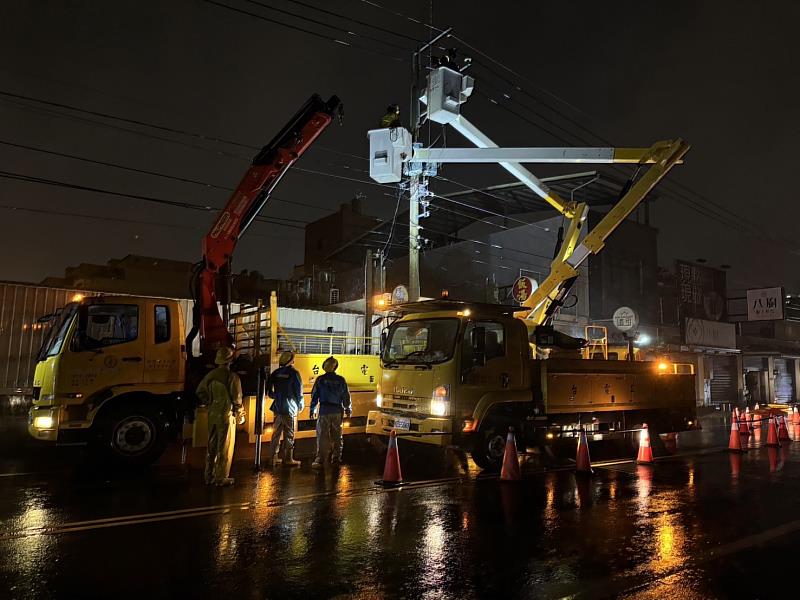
{"x":771,"y":377}
{"x":711,"y":347}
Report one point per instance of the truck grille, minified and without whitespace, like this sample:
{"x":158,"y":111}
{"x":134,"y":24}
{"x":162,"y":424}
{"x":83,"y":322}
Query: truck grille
{"x":407,"y":403}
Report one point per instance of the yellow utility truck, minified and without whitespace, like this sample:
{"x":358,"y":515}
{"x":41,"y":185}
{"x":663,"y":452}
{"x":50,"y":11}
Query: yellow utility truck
{"x":120,"y":372}
{"x":460,"y":373}
{"x":112,"y":374}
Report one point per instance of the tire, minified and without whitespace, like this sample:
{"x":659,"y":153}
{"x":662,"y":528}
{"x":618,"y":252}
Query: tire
{"x":490,"y":443}
{"x":134,"y":435}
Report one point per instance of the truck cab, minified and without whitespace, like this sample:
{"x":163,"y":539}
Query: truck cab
{"x":111,"y":372}
{"x":445,"y":366}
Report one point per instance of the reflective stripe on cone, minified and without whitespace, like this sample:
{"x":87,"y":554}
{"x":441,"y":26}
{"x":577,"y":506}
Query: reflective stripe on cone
{"x":510,"y":470}
{"x":645,"y":456}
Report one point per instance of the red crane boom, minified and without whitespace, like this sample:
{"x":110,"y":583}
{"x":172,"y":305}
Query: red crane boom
{"x":250,"y":196}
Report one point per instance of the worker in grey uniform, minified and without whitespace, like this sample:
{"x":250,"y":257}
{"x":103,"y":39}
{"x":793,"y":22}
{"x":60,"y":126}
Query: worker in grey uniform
{"x":330,"y":393}
{"x":221,"y":392}
{"x":285,"y":387}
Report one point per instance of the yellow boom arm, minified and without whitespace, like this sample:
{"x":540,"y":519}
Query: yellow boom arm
{"x":663,"y":156}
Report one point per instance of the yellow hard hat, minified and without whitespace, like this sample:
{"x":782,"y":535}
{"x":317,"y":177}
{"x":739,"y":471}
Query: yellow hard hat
{"x":330,"y":365}
{"x":224,"y":356}
{"x":285,"y":358}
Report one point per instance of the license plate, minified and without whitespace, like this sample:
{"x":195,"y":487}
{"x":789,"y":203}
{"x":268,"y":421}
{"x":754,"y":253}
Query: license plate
{"x":403,"y":424}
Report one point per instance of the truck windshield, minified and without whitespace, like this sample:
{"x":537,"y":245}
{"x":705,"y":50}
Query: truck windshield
{"x":55,"y":339}
{"x":424,"y":341}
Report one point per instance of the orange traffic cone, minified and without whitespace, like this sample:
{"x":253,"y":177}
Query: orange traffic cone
{"x":795,"y":415}
{"x":735,"y":443}
{"x":583,"y":463}
{"x":510,"y":470}
{"x":756,"y":424}
{"x":743,"y":418}
{"x":783,"y":433}
{"x":796,"y":428}
{"x":772,"y":433}
{"x":645,"y":456}
{"x":392,"y":475}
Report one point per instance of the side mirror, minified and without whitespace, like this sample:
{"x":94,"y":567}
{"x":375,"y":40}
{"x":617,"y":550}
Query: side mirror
{"x":478,"y":342}
{"x":384,"y":339}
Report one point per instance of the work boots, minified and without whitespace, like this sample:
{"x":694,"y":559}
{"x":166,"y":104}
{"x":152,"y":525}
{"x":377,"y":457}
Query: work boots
{"x":289,"y":461}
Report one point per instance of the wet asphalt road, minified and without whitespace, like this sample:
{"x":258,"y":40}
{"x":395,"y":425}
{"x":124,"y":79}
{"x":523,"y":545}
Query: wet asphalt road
{"x":702,"y":524}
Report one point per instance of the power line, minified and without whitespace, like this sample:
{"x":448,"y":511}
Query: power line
{"x":58,"y":213}
{"x":96,"y":113}
{"x":721,"y":214}
{"x":151,"y":199}
{"x":364,"y":23}
{"x":518,"y":75}
{"x":708,"y":208}
{"x":302,"y":30}
{"x":147,"y":172}
{"x":146,"y":134}
{"x":328,"y":25}
{"x":402,"y":16}
{"x":115,"y":165}
{"x":188,"y":133}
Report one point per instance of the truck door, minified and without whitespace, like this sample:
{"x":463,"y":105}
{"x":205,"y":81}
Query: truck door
{"x":163,"y":354}
{"x":501,"y":368}
{"x":106,"y":349}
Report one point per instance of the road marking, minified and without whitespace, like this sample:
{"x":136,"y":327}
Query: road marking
{"x":201,"y":511}
{"x":23,"y":474}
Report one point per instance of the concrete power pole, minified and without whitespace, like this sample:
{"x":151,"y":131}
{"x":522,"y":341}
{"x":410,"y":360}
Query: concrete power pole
{"x":413,"y":239}
{"x":418,"y":191}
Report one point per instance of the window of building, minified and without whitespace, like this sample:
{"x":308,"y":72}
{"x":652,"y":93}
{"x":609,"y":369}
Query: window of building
{"x":162,"y":327}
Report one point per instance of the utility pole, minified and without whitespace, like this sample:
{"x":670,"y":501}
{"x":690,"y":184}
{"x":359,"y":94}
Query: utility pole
{"x":413,"y":238}
{"x":418,"y":191}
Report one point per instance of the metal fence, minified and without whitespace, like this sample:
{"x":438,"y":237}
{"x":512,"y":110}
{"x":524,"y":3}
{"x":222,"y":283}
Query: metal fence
{"x":22,"y":333}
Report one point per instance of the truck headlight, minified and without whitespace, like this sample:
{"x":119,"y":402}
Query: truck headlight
{"x":43,"y":422}
{"x":438,"y":408}
{"x":439,"y":400}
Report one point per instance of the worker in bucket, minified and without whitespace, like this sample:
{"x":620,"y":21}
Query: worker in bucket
{"x":285,"y":387}
{"x":392,"y":117}
{"x":221,"y":391}
{"x":330,"y":393}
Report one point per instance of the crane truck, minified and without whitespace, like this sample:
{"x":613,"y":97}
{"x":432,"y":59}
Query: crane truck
{"x":119,"y":372}
{"x":461,"y":373}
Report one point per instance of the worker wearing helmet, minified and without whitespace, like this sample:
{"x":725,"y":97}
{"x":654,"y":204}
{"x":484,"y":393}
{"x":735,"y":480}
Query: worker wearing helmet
{"x":221,"y":391}
{"x":331,"y":394}
{"x":285,"y":387}
{"x":392,"y":117}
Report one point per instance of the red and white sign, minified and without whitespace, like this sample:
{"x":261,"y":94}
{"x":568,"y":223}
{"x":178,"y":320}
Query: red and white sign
{"x":523,"y":289}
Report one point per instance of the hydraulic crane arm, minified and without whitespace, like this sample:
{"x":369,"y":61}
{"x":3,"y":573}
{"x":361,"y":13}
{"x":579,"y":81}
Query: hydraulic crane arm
{"x":564,"y":269}
{"x":250,"y":196}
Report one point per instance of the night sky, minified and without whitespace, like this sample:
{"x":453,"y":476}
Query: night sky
{"x":722,"y":75}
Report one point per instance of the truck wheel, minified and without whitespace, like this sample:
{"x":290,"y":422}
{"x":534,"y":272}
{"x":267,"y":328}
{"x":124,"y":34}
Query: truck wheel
{"x":490,"y":444}
{"x":135,"y":436}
